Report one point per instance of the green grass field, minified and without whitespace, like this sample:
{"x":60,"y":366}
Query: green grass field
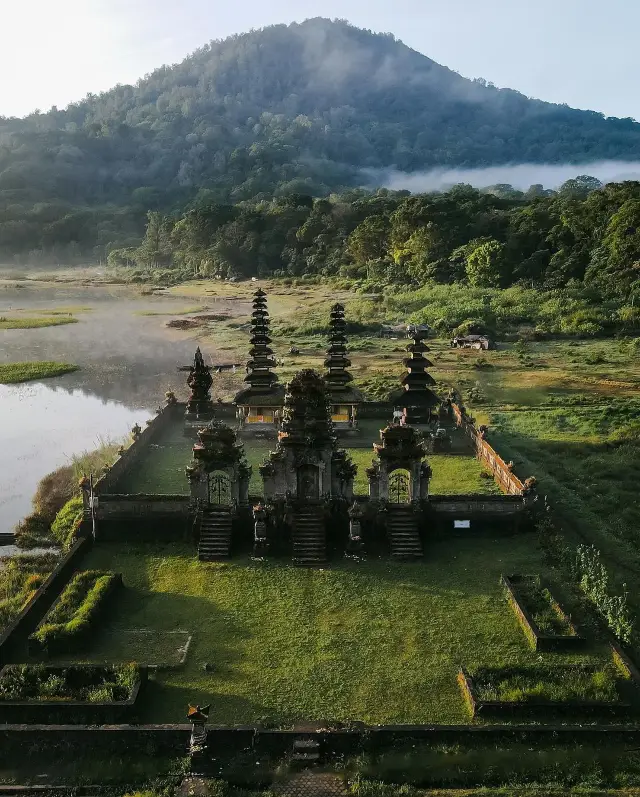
{"x":162,"y":469}
{"x":285,"y":644}
{"x":7,"y":322}
{"x":11,"y":373}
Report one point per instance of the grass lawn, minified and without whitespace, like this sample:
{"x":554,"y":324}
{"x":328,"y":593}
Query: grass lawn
{"x":35,"y":323}
{"x":376,"y":641}
{"x":11,"y":373}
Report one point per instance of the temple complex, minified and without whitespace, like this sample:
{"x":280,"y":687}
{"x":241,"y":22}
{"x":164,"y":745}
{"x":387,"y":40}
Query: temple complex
{"x":259,"y":405}
{"x":344,"y":398}
{"x":299,"y":499}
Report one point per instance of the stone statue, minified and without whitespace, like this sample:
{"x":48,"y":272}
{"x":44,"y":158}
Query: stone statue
{"x":260,"y":542}
{"x":355,"y":544}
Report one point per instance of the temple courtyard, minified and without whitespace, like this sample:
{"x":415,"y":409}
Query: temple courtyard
{"x":270,"y":643}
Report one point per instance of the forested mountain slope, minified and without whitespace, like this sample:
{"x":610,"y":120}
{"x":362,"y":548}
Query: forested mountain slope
{"x":299,"y":108}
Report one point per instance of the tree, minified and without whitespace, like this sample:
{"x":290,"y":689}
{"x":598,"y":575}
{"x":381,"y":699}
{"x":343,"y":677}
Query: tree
{"x":369,"y":240}
{"x":156,"y":249}
{"x":579,"y":186}
{"x":485,"y":264}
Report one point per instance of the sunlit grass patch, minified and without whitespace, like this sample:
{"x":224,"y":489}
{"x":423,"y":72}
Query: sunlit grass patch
{"x":12,"y":322}
{"x":69,"y":309}
{"x":277,"y":640}
{"x":24,"y":372}
{"x":177,"y":311}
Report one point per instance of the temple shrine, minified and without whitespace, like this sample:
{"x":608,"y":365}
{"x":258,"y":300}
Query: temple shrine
{"x":260,"y":404}
{"x":344,"y":398}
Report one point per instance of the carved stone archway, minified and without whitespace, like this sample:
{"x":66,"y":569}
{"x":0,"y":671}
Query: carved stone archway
{"x":400,"y":450}
{"x":219,"y":474}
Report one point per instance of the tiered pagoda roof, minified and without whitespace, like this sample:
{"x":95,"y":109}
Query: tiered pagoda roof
{"x":337,"y":377}
{"x":418,"y":399}
{"x":263,"y":388}
{"x":199,"y":381}
{"x":306,"y":421}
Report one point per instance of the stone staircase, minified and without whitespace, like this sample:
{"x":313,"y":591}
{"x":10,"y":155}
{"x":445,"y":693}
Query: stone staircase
{"x":309,"y":535}
{"x":403,"y":534}
{"x":214,"y":540}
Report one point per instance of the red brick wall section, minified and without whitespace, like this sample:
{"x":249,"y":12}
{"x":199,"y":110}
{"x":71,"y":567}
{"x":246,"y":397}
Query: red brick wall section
{"x":507,"y":481}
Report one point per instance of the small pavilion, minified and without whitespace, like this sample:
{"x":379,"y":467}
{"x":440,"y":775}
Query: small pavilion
{"x":344,"y":399}
{"x":260,"y":404}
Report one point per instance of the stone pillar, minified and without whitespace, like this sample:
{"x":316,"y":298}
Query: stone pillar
{"x":383,"y":482}
{"x":425,"y":480}
{"x":415,"y":481}
{"x":374,"y":485}
{"x":243,"y":489}
{"x":199,"y":485}
{"x":234,"y":484}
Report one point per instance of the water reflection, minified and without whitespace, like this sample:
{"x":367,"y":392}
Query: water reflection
{"x":41,"y":427}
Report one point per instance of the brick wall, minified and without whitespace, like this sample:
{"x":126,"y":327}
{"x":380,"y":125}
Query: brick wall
{"x":505,"y":479}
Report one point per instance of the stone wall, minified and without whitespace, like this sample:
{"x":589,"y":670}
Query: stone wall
{"x":169,"y":414}
{"x":505,"y":479}
{"x":143,"y":517}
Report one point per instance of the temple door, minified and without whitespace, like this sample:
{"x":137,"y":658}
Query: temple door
{"x":399,"y":487}
{"x":308,"y":482}
{"x":219,"y":489}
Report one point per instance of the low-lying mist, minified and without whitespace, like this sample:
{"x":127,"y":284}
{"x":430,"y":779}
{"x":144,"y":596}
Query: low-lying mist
{"x":519,"y":175}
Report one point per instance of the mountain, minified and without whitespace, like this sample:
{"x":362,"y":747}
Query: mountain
{"x":301,"y":108}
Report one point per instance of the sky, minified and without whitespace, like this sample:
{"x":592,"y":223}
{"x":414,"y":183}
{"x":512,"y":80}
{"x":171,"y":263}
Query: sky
{"x":582,"y":52}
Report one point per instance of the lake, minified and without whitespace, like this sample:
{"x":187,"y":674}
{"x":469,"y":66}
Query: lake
{"x":127,"y":361}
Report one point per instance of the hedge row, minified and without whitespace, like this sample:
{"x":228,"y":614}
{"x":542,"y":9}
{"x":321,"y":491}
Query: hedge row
{"x":73,"y":614}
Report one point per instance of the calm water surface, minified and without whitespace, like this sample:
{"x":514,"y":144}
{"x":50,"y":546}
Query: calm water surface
{"x":41,"y":428}
{"x":127,"y":361}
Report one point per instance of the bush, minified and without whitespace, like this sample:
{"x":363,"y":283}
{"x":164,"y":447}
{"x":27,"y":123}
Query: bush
{"x":594,"y":582}
{"x":33,"y":531}
{"x":67,"y":522}
{"x":75,"y":610}
{"x":20,"y":577}
{"x":74,"y":683}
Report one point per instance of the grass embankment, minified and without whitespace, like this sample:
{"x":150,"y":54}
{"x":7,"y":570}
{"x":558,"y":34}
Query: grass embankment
{"x":284,"y":644}
{"x":36,"y":323}
{"x":53,"y":502}
{"x":20,"y":577}
{"x":12,"y":373}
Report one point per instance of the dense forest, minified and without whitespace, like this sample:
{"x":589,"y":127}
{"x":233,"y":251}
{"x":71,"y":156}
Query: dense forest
{"x":584,"y":235}
{"x":307,"y":109}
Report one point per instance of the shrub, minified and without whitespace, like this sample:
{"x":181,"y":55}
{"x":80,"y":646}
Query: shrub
{"x":33,"y":531}
{"x":20,"y":577}
{"x":108,"y":684}
{"x":67,"y":521}
{"x":594,"y":582}
{"x":75,"y":610}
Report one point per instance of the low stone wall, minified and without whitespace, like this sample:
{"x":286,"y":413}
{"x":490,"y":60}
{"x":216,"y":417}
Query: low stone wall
{"x":537,"y":638}
{"x":504,"y":477}
{"x":169,"y":414}
{"x":18,"y":631}
{"x":22,"y":739}
{"x":225,"y":742}
{"x":495,"y":513}
{"x":143,"y":516}
{"x":542,"y":708}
